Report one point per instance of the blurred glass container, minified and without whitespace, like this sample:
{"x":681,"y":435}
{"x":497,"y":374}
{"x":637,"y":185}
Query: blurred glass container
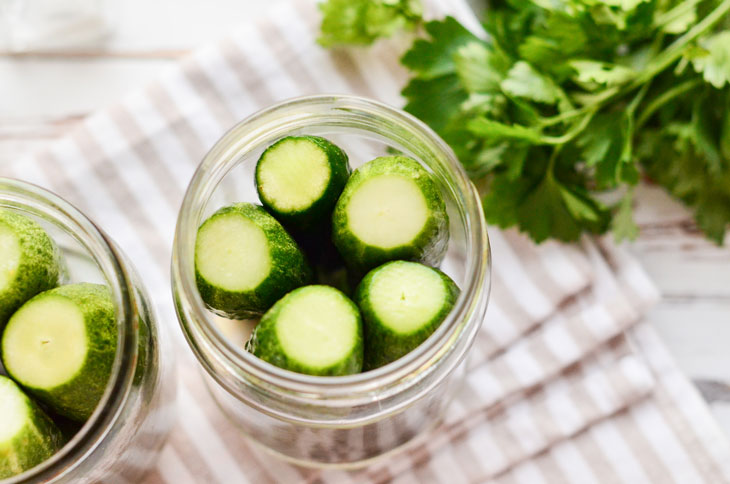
{"x":122,"y":439}
{"x":33,"y":25}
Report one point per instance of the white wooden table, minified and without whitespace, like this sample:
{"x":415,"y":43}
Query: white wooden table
{"x":44,"y":94}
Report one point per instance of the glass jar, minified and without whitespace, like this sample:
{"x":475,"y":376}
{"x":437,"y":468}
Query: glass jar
{"x":342,"y":421}
{"x":122,"y":438}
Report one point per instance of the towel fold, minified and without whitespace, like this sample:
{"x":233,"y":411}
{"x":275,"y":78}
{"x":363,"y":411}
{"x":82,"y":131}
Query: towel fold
{"x":564,"y":383}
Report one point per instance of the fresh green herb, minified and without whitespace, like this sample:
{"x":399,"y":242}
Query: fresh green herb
{"x":361,"y":22}
{"x":571,"y":99}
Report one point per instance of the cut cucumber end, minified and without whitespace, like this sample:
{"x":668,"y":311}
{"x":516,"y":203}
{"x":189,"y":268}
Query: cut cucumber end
{"x":402,"y":304}
{"x":406,"y":296}
{"x":245,"y":261}
{"x":60,"y":347}
{"x":13,"y":411}
{"x":315,"y":330}
{"x":300,"y":178}
{"x":390,"y":209}
{"x":27,"y":435}
{"x":317,"y":327}
{"x":387,"y":211}
{"x":45,"y":343}
{"x":293,"y":173}
{"x":232,"y":252}
{"x":29,"y":262}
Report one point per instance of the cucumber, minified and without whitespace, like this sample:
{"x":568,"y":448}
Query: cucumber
{"x":402,"y":303}
{"x":60,"y":347}
{"x":27,"y":435}
{"x":390,"y":209}
{"x":315,"y":330}
{"x":245,"y":261}
{"x":300,"y":178}
{"x":29,"y":262}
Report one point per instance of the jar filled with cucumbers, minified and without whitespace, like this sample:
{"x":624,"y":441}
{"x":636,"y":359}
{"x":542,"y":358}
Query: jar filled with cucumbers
{"x":330,"y":271}
{"x":86,"y":382}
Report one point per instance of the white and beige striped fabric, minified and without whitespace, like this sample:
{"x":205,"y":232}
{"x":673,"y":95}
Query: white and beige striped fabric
{"x":565,"y":384}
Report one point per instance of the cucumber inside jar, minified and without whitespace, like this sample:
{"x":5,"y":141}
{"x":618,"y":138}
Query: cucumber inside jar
{"x":245,"y":261}
{"x":315,"y":330}
{"x":402,"y":304}
{"x":387,"y":219}
{"x":29,"y":262}
{"x":27,"y":435}
{"x":60,"y":347}
{"x":390,"y":209}
{"x":300,"y":178}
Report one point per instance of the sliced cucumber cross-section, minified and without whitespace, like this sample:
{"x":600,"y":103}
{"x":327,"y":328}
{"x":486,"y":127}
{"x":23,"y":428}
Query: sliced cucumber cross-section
{"x":60,"y":347}
{"x":27,"y":436}
{"x":315,"y":330}
{"x":390,"y":209}
{"x":299,"y":179}
{"x":245,"y":261}
{"x":402,"y":304}
{"x":29,"y":262}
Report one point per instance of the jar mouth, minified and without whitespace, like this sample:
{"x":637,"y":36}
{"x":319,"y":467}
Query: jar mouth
{"x":279,"y":120}
{"x":45,"y":206}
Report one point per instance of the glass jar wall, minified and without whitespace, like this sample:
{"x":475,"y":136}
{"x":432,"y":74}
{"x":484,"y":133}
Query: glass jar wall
{"x":348,"y":420}
{"x":121,"y":440}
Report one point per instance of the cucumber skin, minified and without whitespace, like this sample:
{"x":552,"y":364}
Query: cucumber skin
{"x":264,"y":344}
{"x":308,"y":219}
{"x":77,"y":398}
{"x":429,"y":247}
{"x":382,"y":344}
{"x":39,"y":267}
{"x":282,"y":278}
{"x":39,"y":440}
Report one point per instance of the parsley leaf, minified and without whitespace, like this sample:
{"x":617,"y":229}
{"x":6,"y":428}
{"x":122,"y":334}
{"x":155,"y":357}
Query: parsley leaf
{"x":570,"y":99}
{"x":361,"y":22}
{"x":713,"y":59}
{"x":525,"y":82}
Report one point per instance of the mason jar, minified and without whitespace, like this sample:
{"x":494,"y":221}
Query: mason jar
{"x":343,"y":421}
{"x":122,"y":438}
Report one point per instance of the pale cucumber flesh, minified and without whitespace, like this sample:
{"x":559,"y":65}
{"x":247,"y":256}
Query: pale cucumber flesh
{"x":232,"y":252}
{"x":46,"y":343}
{"x":317,"y":328}
{"x":13,"y":411}
{"x":294,"y":174}
{"x":27,"y":435}
{"x":405,"y":297}
{"x":387,"y":211}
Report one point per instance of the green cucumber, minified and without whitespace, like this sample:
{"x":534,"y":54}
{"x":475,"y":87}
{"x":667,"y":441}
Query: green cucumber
{"x":27,"y":435}
{"x":390,"y":209}
{"x":245,"y":261}
{"x":315,"y":330}
{"x":60,"y":347}
{"x":300,"y":178}
{"x":402,"y":304}
{"x":29,"y":262}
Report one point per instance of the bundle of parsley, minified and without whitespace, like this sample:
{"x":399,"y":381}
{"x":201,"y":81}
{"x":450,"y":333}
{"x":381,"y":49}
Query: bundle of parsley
{"x":569,"y":100}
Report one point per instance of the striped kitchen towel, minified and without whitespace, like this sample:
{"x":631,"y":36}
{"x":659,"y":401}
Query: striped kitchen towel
{"x":565,"y":384}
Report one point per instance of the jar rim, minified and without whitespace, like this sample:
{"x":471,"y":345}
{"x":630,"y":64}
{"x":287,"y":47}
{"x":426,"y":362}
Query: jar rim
{"x":200,"y":329}
{"x":26,"y":197}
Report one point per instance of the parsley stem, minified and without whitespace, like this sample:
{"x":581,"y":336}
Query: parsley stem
{"x":572,"y":132}
{"x":675,"y":50}
{"x":664,"y":98}
{"x":606,"y":95}
{"x":679,"y":11}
